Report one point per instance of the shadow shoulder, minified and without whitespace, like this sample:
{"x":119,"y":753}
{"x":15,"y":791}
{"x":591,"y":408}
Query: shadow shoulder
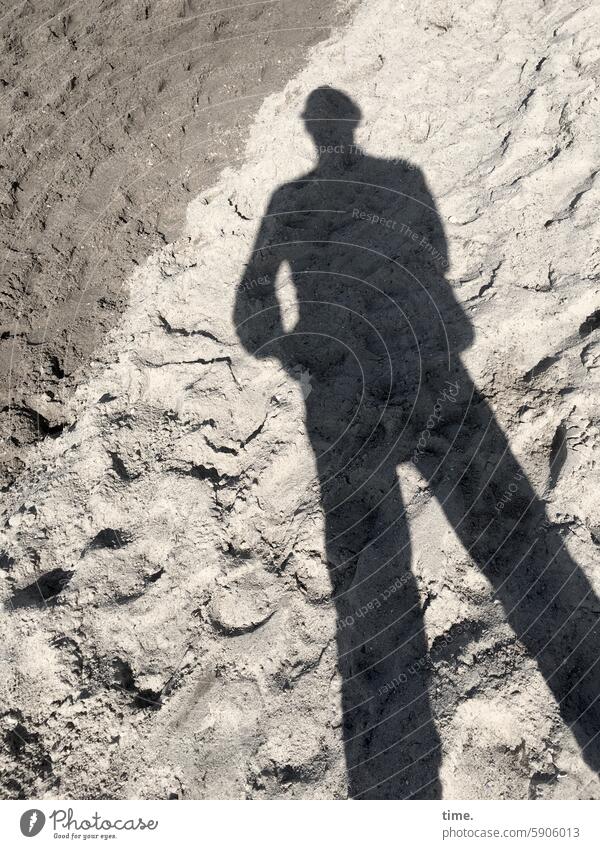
{"x":398,"y":173}
{"x":282,"y":196}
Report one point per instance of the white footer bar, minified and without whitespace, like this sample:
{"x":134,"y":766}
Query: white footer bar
{"x":291,"y":824}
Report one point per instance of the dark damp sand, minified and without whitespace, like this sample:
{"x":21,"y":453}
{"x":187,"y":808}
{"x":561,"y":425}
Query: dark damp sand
{"x":113,"y":117}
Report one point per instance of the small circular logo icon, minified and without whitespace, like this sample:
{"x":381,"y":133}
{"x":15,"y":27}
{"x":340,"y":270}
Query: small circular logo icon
{"x":32,"y":822}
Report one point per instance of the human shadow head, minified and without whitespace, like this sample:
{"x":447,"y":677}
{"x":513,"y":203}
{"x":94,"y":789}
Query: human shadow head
{"x":331,"y":117}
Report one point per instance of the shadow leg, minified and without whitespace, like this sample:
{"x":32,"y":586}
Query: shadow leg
{"x":546,"y":597}
{"x":391,"y":742}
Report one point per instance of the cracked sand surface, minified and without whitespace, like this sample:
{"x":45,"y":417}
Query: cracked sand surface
{"x":182,"y":640}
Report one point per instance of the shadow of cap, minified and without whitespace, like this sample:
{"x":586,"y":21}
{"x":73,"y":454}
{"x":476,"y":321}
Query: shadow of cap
{"x":330,"y":104}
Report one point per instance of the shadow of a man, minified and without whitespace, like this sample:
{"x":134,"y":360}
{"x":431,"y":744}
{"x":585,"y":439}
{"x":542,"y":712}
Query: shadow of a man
{"x":380,"y":332}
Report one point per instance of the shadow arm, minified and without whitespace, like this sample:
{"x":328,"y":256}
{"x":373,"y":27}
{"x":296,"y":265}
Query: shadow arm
{"x":257,"y":313}
{"x":435,"y":250}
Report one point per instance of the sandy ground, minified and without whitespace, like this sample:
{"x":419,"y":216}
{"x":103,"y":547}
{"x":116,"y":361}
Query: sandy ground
{"x":114,"y":115}
{"x":182,"y":621}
